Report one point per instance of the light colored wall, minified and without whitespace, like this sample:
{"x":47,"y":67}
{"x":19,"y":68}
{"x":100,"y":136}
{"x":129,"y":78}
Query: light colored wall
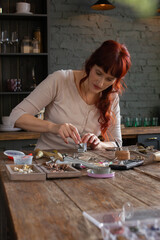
{"x":76,"y":31}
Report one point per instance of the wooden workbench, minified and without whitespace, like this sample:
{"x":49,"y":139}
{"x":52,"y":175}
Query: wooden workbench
{"x":53,"y":209}
{"x":127,"y":132}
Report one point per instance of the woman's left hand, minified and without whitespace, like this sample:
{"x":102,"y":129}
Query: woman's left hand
{"x":92,"y":140}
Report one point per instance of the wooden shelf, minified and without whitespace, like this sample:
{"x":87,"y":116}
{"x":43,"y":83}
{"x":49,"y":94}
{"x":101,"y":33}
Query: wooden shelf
{"x":20,"y":65}
{"x":14,"y":93}
{"x":23,"y":54}
{"x":21,"y":16}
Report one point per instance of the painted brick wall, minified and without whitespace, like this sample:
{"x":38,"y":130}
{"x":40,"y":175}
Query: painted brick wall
{"x":76,"y":31}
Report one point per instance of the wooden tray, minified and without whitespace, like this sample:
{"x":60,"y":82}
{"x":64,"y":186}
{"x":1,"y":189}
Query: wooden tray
{"x":69,"y":173}
{"x":37,"y":175}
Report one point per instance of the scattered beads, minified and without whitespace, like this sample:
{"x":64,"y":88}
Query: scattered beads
{"x":54,"y":167}
{"x":25,"y":169}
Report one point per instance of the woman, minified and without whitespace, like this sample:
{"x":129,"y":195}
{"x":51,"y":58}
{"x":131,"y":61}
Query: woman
{"x":79,"y":105}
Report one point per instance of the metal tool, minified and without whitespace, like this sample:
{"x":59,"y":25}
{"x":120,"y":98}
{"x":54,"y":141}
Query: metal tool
{"x":70,"y":160}
{"x":119,"y":148}
{"x":82,"y":147}
{"x":52,"y":160}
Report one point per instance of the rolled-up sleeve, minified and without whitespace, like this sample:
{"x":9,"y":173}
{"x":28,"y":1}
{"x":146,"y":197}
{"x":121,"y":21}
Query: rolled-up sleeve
{"x":42,"y":95}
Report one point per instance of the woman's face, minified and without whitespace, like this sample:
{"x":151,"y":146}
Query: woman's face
{"x":98,"y":80}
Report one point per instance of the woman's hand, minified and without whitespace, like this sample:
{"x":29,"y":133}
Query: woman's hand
{"x":92,"y":140}
{"x":68,"y":130}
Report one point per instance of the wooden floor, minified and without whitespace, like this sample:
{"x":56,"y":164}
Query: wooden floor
{"x":52,"y":209}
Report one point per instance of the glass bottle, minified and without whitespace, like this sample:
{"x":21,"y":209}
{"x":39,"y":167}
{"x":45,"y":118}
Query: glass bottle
{"x":33,"y":85}
{"x":37,"y":36}
{"x":36,"y":46}
{"x":1,"y":9}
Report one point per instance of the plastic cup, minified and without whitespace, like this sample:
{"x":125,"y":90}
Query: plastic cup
{"x":27,"y":159}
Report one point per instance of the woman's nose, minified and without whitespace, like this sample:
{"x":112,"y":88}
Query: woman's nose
{"x":100,"y":82}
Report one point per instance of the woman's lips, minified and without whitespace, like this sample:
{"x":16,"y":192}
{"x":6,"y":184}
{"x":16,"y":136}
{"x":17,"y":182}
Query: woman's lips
{"x":96,"y":87}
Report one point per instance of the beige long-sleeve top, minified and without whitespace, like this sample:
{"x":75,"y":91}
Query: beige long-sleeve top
{"x":63,"y":104}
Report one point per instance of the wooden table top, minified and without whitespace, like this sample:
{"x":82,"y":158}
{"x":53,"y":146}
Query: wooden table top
{"x":127,"y":132}
{"x":53,"y":209}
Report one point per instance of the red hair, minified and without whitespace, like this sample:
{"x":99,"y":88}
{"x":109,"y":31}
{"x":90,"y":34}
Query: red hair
{"x":114,"y":58}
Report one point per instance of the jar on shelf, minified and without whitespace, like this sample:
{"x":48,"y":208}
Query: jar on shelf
{"x":26,"y":45}
{"x":38,"y":37}
{"x":36,"y":46}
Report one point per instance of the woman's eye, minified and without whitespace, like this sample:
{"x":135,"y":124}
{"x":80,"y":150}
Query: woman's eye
{"x":99,"y":73}
{"x":109,"y":80}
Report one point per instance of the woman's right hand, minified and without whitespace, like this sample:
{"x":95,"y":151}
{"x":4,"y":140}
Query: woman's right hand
{"x":66,"y":130}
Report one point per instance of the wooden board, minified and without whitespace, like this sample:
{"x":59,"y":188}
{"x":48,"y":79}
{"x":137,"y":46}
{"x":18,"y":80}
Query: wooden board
{"x":69,"y":173}
{"x":37,"y":175}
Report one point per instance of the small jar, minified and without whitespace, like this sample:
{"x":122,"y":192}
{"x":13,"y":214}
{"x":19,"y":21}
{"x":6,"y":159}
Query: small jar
{"x":36,"y":46}
{"x":26,"y":45}
{"x":37,"y":36}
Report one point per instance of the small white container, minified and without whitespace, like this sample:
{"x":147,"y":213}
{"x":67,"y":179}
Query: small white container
{"x":27,"y":159}
{"x":23,"y":7}
{"x":6,"y":120}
